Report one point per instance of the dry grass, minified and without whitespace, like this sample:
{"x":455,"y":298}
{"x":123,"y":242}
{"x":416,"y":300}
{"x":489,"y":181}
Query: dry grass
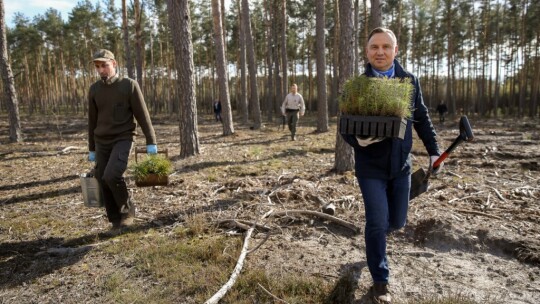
{"x":176,"y":253}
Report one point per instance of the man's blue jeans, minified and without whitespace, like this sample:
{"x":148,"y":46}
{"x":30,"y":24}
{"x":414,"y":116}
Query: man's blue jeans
{"x":386,"y":203}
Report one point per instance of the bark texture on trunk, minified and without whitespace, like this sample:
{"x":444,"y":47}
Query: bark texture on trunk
{"x":10,"y":94}
{"x":344,"y":153}
{"x":180,"y":25}
{"x":322,"y":104}
{"x":127,"y":50}
{"x":226,"y":114}
{"x":250,"y":48}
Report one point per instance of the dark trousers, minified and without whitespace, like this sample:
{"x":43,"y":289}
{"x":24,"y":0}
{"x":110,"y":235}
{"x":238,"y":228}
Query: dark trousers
{"x":441,"y":117}
{"x":292,"y":120}
{"x":112,"y":161}
{"x":386,"y":203}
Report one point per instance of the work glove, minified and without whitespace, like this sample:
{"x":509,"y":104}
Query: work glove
{"x":432,"y":160}
{"x":92,"y":156}
{"x":366,"y":141}
{"x":151,"y":149}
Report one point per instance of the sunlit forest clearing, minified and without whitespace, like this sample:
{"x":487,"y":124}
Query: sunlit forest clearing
{"x":241,"y":191}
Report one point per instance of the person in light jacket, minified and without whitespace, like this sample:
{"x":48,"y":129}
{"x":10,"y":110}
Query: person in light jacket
{"x":292,"y":108}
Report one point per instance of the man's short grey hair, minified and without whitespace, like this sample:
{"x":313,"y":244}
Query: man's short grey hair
{"x":379,"y":30}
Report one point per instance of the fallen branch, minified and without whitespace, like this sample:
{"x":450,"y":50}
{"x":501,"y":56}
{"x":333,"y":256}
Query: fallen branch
{"x":479,"y":213}
{"x":454,"y":174}
{"x":234,"y":224}
{"x":321,"y":215}
{"x":270,"y":294}
{"x":243,"y":224}
{"x":68,"y":149}
{"x":465,"y":197}
{"x":498,"y":194}
{"x":261,"y":243}
{"x":239,"y":264}
{"x":236,"y":272}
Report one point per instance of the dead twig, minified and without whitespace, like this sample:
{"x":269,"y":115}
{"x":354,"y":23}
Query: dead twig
{"x":236,"y":272}
{"x":234,"y":223}
{"x":68,"y":149}
{"x":270,"y":294}
{"x":261,"y":243}
{"x":454,"y":174}
{"x":239,"y":264}
{"x":479,"y":213}
{"x":243,"y":224}
{"x":498,"y":193}
{"x":465,"y":197}
{"x":321,"y":215}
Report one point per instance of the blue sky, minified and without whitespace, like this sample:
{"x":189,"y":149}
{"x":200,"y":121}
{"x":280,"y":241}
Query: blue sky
{"x":31,"y":8}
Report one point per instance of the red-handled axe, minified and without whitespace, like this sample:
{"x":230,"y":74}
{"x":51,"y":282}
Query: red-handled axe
{"x":419,"y":179}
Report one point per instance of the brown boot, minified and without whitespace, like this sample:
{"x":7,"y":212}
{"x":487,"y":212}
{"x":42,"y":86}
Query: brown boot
{"x":380,"y":293}
{"x":128,"y":214}
{"x":126,"y":221}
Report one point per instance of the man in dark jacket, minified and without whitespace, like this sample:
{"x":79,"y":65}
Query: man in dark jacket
{"x":217,"y":110}
{"x":114,"y":103}
{"x":383,"y":165}
{"x":442,"y":109}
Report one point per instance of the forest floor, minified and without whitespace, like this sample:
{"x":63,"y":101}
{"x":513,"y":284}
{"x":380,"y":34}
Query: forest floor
{"x":475,"y":235}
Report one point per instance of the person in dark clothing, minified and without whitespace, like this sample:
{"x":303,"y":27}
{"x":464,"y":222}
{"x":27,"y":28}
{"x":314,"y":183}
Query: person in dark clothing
{"x":114,"y":103}
{"x":217,"y":110}
{"x":383,"y":165}
{"x":442,"y":109}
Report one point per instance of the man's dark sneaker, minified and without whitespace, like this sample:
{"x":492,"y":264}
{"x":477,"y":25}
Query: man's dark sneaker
{"x":380,"y":293}
{"x":293,"y":137}
{"x":116,"y":224}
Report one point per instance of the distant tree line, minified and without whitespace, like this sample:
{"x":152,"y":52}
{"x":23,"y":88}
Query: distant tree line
{"x":479,"y":56}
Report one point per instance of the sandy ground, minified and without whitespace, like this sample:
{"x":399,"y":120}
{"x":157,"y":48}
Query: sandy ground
{"x":475,"y":233}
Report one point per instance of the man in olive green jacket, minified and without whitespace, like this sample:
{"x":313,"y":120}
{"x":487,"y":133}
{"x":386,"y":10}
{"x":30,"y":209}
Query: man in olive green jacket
{"x":114,"y":103}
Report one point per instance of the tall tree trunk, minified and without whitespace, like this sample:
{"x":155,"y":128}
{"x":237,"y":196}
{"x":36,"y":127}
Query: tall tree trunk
{"x":344,"y":160}
{"x":270,"y":99}
{"x":535,"y":86}
{"x":497,"y":62}
{"x":127,"y":49}
{"x":139,"y":46}
{"x":333,"y":108}
{"x":356,"y":22}
{"x":450,"y":56}
{"x":284,"y":60}
{"x":376,"y":14}
{"x":322,"y":104}
{"x":180,"y":26}
{"x":243,"y":69}
{"x":366,"y":30}
{"x":250,"y":48}
{"x":224,"y":26}
{"x":276,"y":54}
{"x":228,"y":127}
{"x":525,"y":67}
{"x":10,"y":94}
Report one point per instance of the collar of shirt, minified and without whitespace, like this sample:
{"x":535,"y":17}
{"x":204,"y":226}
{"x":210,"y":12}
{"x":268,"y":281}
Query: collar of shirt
{"x":390,"y":73}
{"x":111,"y":80}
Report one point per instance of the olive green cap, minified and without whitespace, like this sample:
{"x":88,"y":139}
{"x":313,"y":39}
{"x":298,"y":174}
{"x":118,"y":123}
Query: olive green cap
{"x":103,"y":55}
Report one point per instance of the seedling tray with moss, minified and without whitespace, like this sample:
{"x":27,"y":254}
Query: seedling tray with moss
{"x":153,"y":170}
{"x":375,"y":106}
